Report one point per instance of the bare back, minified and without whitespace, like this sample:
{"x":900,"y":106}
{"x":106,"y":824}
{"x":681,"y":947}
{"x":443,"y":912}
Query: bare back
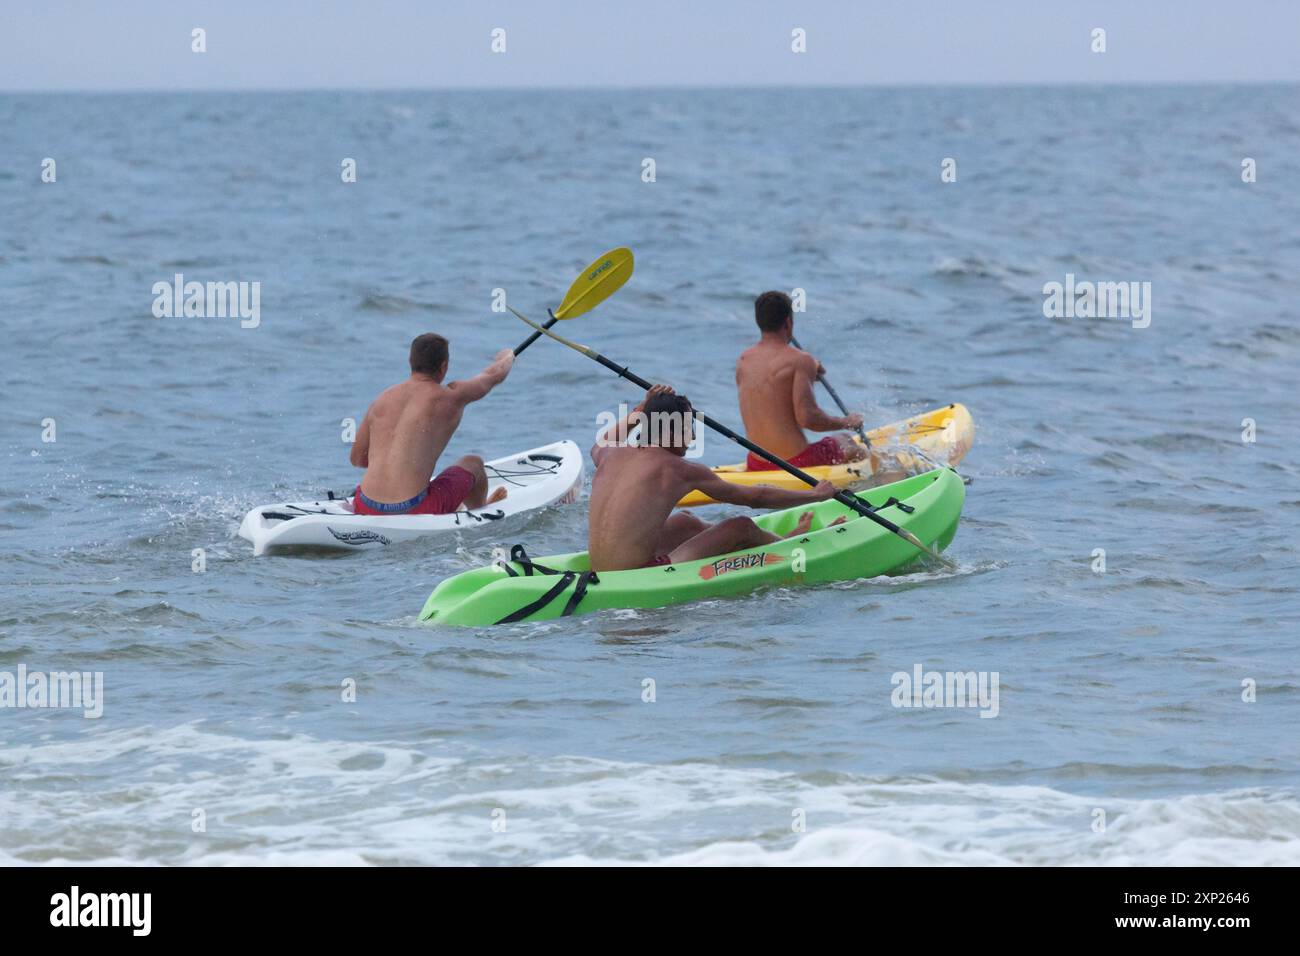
{"x":633,"y":492}
{"x":409,"y":426}
{"x":766,"y":380}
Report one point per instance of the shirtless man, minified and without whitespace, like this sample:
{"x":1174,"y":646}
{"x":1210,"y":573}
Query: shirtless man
{"x":636,"y":487}
{"x":407,"y":428}
{"x":777,"y":403}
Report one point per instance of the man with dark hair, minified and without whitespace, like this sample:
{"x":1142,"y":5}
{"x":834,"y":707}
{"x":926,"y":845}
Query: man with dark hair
{"x":407,"y":428}
{"x":634,"y":490}
{"x":429,"y":353}
{"x":777,"y":403}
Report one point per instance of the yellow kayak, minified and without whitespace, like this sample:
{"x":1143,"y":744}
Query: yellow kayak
{"x":913,"y":445}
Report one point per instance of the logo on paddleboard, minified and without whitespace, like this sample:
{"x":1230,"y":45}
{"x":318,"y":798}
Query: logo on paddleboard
{"x":742,"y":562}
{"x":358,"y":538}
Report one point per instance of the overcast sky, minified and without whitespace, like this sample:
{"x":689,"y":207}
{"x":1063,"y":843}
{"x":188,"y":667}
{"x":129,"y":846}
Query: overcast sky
{"x":298,"y":44}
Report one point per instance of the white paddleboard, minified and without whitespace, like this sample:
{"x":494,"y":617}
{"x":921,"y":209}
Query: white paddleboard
{"x":551,"y":474}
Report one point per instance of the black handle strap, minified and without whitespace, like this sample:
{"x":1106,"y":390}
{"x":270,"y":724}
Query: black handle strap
{"x":520,"y":557}
{"x":533,"y":606}
{"x":579,"y":591}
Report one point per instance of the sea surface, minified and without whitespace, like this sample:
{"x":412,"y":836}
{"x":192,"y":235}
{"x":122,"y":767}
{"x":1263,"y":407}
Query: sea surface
{"x":1148,"y":713}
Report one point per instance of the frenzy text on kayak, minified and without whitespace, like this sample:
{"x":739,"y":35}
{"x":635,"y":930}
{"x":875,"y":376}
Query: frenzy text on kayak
{"x":741,"y":562}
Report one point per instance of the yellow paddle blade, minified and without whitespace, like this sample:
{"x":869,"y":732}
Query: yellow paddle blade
{"x":597,"y":283}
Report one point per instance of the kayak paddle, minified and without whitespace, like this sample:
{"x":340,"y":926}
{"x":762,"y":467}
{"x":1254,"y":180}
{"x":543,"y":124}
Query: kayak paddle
{"x":843,"y":497}
{"x":597,"y":283}
{"x":835,"y":397}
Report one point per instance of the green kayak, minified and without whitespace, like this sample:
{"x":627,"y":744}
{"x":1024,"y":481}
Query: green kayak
{"x":538,"y":589}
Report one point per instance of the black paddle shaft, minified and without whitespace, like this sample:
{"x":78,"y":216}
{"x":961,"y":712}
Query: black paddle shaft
{"x":535,"y":336}
{"x":841,"y":496}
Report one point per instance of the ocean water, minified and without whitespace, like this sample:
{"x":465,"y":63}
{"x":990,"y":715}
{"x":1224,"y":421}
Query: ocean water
{"x":772,"y":737}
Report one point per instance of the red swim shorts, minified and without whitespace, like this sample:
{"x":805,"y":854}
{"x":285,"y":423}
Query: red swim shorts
{"x":828,"y":451}
{"x":658,"y":561}
{"x":443,"y":496}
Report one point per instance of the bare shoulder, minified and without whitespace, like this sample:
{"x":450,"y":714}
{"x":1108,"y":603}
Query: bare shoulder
{"x":606,"y":458}
{"x":689,"y":471}
{"x":392,"y":395}
{"x":430,"y":394}
{"x":799,"y":360}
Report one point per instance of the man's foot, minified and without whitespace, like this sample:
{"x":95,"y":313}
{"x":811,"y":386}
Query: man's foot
{"x":498,"y":495}
{"x":802,"y":525}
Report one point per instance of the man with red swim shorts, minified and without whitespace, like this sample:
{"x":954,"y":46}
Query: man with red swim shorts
{"x":631,"y":523}
{"x":408,"y":427}
{"x":777,"y":403}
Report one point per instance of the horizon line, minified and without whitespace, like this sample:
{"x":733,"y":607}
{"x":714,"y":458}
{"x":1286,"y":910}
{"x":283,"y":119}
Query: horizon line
{"x":649,"y":88}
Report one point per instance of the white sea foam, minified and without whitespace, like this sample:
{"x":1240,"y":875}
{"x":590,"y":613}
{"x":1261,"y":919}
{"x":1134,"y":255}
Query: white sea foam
{"x":128,"y":798}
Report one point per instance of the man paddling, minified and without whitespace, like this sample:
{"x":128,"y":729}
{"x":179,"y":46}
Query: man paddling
{"x":631,"y":524}
{"x":777,"y":402}
{"x":407,"y":428}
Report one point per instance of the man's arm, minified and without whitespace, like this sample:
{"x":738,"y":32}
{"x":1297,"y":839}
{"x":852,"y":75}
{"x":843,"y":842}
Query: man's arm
{"x":806,"y":411}
{"x":754,"y":496}
{"x":360,"y":454}
{"x":472,"y":389}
